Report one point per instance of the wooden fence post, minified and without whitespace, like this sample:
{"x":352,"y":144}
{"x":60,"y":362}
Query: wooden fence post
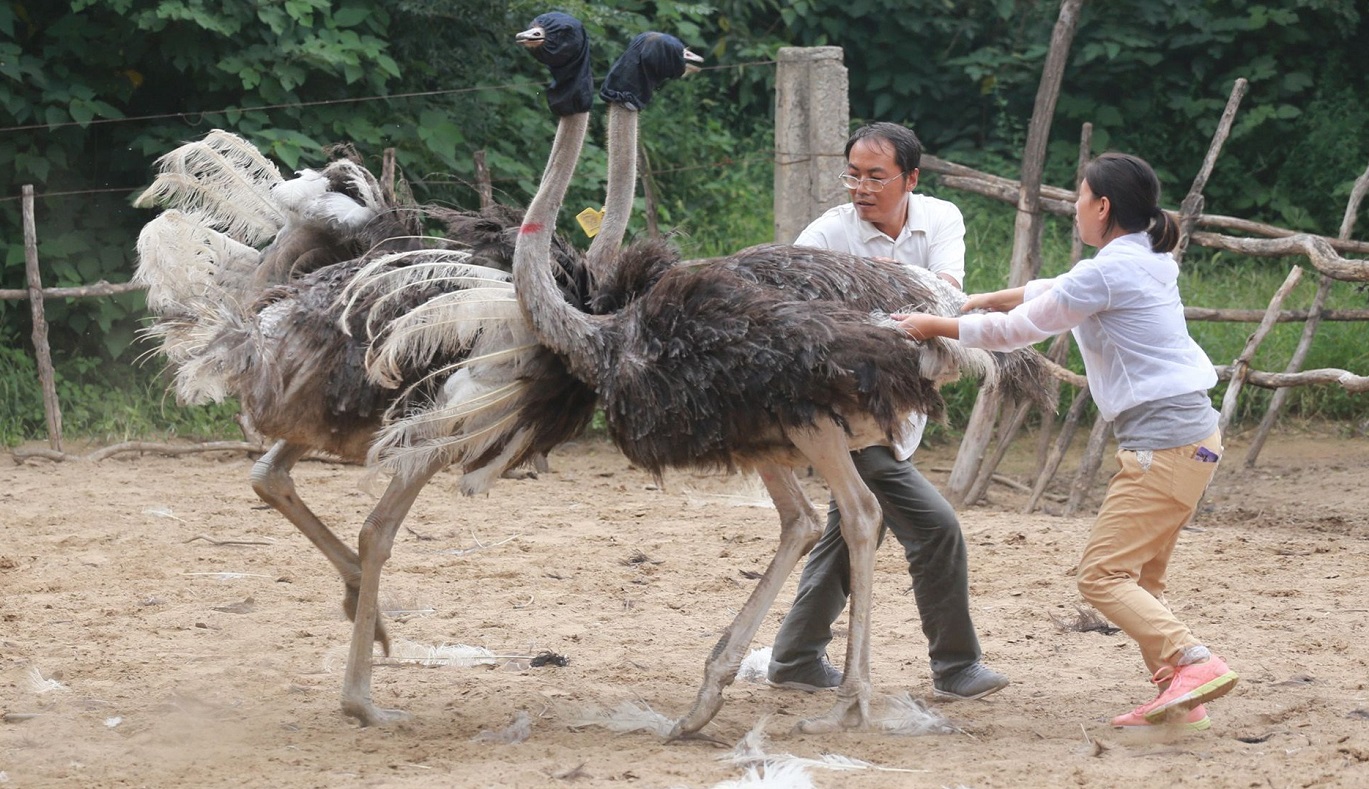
{"x":1026,"y":253}
{"x":812,"y":122}
{"x":46,"y":375}
{"x":387,"y":175}
{"x":482,"y":180}
{"x":1240,"y":368}
{"x":1193,"y":202}
{"x":1309,"y":331}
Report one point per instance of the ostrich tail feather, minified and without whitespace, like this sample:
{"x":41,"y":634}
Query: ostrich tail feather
{"x":225,"y":178}
{"x":208,"y":347}
{"x":182,"y":260}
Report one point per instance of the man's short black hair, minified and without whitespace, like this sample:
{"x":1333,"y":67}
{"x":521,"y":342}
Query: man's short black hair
{"x":907,"y":147}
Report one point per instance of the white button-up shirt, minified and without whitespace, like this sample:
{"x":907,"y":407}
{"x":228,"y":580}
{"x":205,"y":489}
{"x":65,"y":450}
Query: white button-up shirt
{"x":933,"y":237}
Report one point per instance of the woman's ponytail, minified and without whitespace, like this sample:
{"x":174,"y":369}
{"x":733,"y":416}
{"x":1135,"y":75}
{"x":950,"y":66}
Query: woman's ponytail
{"x":1164,"y":232}
{"x":1133,"y":190}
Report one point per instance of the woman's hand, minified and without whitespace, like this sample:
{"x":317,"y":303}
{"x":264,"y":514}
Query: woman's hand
{"x":921,"y":326}
{"x":998,"y":301}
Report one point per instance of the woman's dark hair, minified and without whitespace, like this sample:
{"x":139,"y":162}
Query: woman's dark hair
{"x":1133,"y":191}
{"x":907,"y":147}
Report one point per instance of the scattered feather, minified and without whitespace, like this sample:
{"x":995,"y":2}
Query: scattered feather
{"x":37,"y":684}
{"x":750,"y":493}
{"x":750,"y":751}
{"x":517,"y":731}
{"x":907,"y":715}
{"x":1085,"y":620}
{"x":755,"y":666}
{"x":771,"y":775}
{"x":627,"y":717}
{"x":455,"y":655}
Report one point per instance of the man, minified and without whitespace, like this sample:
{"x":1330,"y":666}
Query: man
{"x":886,"y":220}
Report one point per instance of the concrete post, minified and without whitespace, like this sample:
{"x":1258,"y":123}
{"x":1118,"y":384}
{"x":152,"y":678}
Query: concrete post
{"x":812,"y":122}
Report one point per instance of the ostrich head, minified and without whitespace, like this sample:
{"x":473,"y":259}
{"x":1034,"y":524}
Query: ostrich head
{"x":651,"y":58}
{"x":559,"y":42}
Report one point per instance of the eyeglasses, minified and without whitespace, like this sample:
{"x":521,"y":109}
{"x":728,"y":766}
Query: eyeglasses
{"x":871,"y":184}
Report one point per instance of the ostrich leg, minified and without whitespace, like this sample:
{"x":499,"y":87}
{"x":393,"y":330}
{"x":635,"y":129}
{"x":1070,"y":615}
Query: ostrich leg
{"x":800,"y":527}
{"x":377,"y":537}
{"x":860,"y":523}
{"x":271,"y":480}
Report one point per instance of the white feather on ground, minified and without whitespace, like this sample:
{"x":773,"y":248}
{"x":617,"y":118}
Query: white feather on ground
{"x":628,"y":716}
{"x":750,"y":751}
{"x":750,"y":492}
{"x":904,"y":714}
{"x":37,"y":683}
{"x":454,"y":655}
{"x":771,"y":776}
{"x":517,"y":731}
{"x":755,"y":666}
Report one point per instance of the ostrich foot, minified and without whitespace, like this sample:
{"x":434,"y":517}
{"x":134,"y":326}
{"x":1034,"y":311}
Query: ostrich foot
{"x":349,"y":606}
{"x":368,"y":714}
{"x":849,"y":713}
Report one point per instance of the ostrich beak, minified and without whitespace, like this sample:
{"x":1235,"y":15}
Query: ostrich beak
{"x":691,"y":62}
{"x":531,"y":38}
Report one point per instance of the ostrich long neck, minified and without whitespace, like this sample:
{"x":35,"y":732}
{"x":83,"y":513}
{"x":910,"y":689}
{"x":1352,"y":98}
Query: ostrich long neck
{"x":558,"y":325}
{"x":622,"y":188}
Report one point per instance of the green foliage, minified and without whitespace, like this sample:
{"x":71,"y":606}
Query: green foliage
{"x":21,"y":401}
{"x":132,"y":404}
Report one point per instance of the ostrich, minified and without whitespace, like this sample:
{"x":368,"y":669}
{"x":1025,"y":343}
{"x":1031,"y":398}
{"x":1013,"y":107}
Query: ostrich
{"x":317,"y":353}
{"x":417,"y":446}
{"x":765,"y":359}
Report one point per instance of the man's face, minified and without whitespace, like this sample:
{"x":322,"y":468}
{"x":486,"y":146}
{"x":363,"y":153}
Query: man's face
{"x":872,"y":159}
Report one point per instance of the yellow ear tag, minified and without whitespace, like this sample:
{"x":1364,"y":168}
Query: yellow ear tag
{"x":590,"y":221}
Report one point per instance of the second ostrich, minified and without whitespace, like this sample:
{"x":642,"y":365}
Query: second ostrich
{"x":765,"y":359}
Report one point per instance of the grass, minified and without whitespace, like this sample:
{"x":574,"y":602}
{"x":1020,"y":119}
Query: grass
{"x":103,"y":403}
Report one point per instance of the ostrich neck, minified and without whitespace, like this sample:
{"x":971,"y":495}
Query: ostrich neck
{"x":622,"y":188}
{"x":558,"y":325}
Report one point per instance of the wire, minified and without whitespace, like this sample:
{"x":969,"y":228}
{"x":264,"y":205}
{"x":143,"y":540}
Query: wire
{"x":199,"y":115}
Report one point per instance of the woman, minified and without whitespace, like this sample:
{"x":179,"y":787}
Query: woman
{"x":1150,"y":378}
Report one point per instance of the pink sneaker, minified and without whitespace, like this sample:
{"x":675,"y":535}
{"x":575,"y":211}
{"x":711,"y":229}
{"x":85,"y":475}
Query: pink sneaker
{"x":1195,"y":720}
{"x":1189,"y":686}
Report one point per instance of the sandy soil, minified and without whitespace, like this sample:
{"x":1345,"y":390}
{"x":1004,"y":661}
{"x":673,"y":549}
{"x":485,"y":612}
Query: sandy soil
{"x":135,"y":651}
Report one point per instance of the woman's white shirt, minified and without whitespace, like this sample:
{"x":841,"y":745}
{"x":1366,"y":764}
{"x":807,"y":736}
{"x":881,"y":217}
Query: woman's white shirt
{"x":1124,"y":309}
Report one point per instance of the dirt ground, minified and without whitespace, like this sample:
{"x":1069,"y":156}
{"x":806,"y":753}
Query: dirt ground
{"x":141,"y":646}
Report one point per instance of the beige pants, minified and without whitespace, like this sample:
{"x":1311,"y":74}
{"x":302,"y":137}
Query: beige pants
{"x":1122,"y":572}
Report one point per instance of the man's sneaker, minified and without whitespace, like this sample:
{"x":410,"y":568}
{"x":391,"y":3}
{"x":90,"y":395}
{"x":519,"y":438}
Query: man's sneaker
{"x":811,"y":677}
{"x":975,"y":681}
{"x":1194,"y":720}
{"x":1189,"y":686}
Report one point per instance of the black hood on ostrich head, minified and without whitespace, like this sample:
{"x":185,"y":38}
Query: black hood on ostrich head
{"x":651,"y":58}
{"x":566,"y":54}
